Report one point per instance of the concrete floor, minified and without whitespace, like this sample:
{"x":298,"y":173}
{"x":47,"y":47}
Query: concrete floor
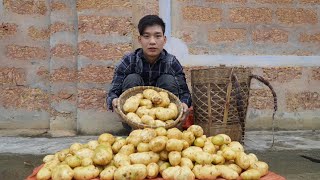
{"x":19,"y":155}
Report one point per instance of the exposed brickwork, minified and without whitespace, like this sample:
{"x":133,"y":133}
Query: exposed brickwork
{"x":275,"y":1}
{"x":60,"y":26}
{"x":64,"y":95}
{"x":316,"y":73}
{"x":102,"y":4}
{"x":43,"y":72}
{"x":310,"y":1}
{"x":105,"y":25}
{"x":37,"y":33}
{"x":261,"y":99}
{"x":202,"y":14}
{"x":26,"y":6}
{"x":7,"y":29}
{"x":199,"y":50}
{"x":311,"y":38}
{"x":92,"y":99}
{"x":63,"y":50}
{"x":228,"y":1}
{"x":24,"y":98}
{"x":96,"y":74}
{"x":98,"y":51}
{"x":297,"y":16}
{"x":12,"y":76}
{"x":186,"y":36}
{"x":250,"y":15}
{"x":282,"y":74}
{"x":25,"y":52}
{"x":304,"y":101}
{"x":270,"y":35}
{"x":64,"y":74}
{"x":57,"y":6}
{"x":227,"y":35}
{"x":146,"y":7}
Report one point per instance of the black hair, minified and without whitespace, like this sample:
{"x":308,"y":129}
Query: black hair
{"x":150,"y":20}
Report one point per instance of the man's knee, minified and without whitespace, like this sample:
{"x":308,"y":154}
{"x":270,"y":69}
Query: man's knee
{"x":132,"y":80}
{"x":168,"y":82}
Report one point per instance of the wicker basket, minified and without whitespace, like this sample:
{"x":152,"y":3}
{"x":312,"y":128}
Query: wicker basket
{"x":139,"y":89}
{"x":220,"y":99}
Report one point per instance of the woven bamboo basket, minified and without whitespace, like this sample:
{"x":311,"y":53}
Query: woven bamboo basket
{"x":139,"y":89}
{"x":220,"y":99}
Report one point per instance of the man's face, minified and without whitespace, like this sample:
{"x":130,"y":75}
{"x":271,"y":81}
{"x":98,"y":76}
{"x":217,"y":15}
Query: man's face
{"x":152,"y":42}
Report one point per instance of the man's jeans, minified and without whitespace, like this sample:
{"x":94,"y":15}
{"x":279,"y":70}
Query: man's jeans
{"x":165,"y":81}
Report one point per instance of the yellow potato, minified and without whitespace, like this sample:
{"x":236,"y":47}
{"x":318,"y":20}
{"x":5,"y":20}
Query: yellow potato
{"x":106,"y":137}
{"x":146,"y":102}
{"x":118,"y":145}
{"x":134,"y":172}
{"x":63,"y":154}
{"x":174,"y":107}
{"x":147,"y":134}
{"x":229,"y":154}
{"x":146,"y":119}
{"x":127,"y":149}
{"x":75,"y":147}
{"x":169,"y":121}
{"x":143,"y":147}
{"x":165,"y":99}
{"x":262,"y":167}
{"x":142,"y":111}
{"x":209,"y":147}
{"x":102,"y":155}
{"x":121,"y":160}
{"x":174,"y":133}
{"x":251,"y":174}
{"x":217,"y":159}
{"x":134,"y":117}
{"x":84,"y":173}
{"x":235,"y":167}
{"x":206,"y":172}
{"x":62,"y":172}
{"x":170,"y":172}
{"x":190,"y":152}
{"x":242,"y":160}
{"x":152,"y":112}
{"x":131,"y":104}
{"x":203,"y":158}
{"x":93,"y":144}
{"x":164,"y":114}
{"x":85,"y":153}
{"x":174,"y":158}
{"x":152,"y":95}
{"x":159,"y":123}
{"x":108,"y":173}
{"x":188,"y":136}
{"x":73,"y":161}
{"x":158,"y":143}
{"x":164,"y":166}
{"x":134,"y":140}
{"x":44,"y":174}
{"x":144,"y":158}
{"x":152,"y":170}
{"x":161,"y":131}
{"x":186,"y":162}
{"x":196,"y":130}
{"x":164,"y":155}
{"x":226,"y":172}
{"x":86,"y":161}
{"x":184,"y":173}
{"x":48,"y":158}
{"x":139,"y":95}
{"x":236,"y":146}
{"x":185,"y":144}
{"x":227,"y":139}
{"x":174,"y":145}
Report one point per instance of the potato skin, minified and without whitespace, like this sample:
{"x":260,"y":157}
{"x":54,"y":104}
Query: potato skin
{"x":132,"y":172}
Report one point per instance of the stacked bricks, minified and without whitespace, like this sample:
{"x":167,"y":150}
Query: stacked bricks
{"x":243,"y":27}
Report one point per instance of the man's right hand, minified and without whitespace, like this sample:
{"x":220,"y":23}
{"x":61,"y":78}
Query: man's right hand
{"x":114,"y":103}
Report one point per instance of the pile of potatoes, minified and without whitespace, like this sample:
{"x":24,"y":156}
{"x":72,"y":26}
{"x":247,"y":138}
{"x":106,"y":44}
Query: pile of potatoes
{"x":151,"y":108}
{"x":151,"y":153}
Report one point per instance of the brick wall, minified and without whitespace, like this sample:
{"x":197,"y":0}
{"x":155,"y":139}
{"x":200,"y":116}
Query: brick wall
{"x":57,"y":57}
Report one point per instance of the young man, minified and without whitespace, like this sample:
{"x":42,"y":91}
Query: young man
{"x":150,"y":65}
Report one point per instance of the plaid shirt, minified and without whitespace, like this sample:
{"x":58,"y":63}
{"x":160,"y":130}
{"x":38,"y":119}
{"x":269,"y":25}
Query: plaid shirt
{"x":136,"y":63}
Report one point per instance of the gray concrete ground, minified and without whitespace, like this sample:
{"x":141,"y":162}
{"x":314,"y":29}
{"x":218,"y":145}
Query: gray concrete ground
{"x":19,"y":155}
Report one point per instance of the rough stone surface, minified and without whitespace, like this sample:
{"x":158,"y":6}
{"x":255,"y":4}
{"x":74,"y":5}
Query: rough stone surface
{"x":64,"y":74}
{"x":7,"y":29}
{"x":25,"y":52}
{"x":57,"y":6}
{"x":96,"y":74}
{"x":310,"y":1}
{"x":202,"y":14}
{"x":261,"y":99}
{"x":26,"y":6}
{"x":63,"y":51}
{"x":311,"y":38}
{"x":227,"y":35}
{"x":12,"y":76}
{"x":297,"y":16}
{"x":94,"y":99}
{"x":272,"y":35}
{"x":60,"y":26}
{"x":102,"y":4}
{"x":275,"y":1}
{"x":37,"y":33}
{"x":316,"y":73}
{"x":250,"y":15}
{"x":282,"y":74}
{"x":304,"y":101}
{"x":227,"y":1}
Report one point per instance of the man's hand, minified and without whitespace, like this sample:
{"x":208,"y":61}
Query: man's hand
{"x":114,"y":103}
{"x":184,"y":116}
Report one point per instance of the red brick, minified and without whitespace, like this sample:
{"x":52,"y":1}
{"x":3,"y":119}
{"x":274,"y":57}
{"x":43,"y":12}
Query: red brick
{"x":105,"y":25}
{"x":24,"y":98}
{"x":228,"y":1}
{"x":43,"y":72}
{"x":270,"y":35}
{"x":226,"y":35}
{"x":60,"y":26}
{"x":64,"y":74}
{"x":143,"y":7}
{"x":64,"y":95}
{"x":26,"y":6}
{"x":316,"y":73}
{"x":303,"y":100}
{"x":275,"y":1}
{"x":310,"y":1}
{"x":96,"y":51}
{"x":96,"y":74}
{"x":57,"y":6}
{"x":311,"y":38}
{"x":63,"y":51}
{"x":202,"y":14}
{"x":36,"y":33}
{"x":12,"y":76}
{"x":7,"y":29}
{"x":282,"y":74}
{"x":92,"y":99}
{"x":25,"y":52}
{"x":103,"y":4}
{"x":296,"y":16}
{"x":250,"y":15}
{"x":185,"y":35}
{"x":194,"y":50}
{"x":261,"y":99}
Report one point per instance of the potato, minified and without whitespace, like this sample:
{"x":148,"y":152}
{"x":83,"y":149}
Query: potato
{"x":196,"y":130}
{"x":164,"y":114}
{"x":227,"y":172}
{"x":235,"y":167}
{"x":147,"y":134}
{"x":206,"y":172}
{"x":165,"y":99}
{"x":135,"y":133}
{"x":44,"y":174}
{"x":75,"y":147}
{"x":152,"y":95}
{"x":63,"y":154}
{"x":228,"y":154}
{"x":134,"y":117}
{"x":250,"y":174}
{"x":174,"y":133}
{"x":185,"y":144}
{"x":152,"y":170}
{"x":134,"y":140}
{"x":139,"y":95}
{"x":86,"y":161}
{"x":164,"y":155}
{"x":252,"y":158}
{"x":152,"y":112}
{"x":242,"y":160}
{"x":143,"y":110}
{"x":132,"y":172}
{"x":164,"y":166}
{"x":184,"y":173}
{"x":236,"y":146}
{"x":203,"y":158}
{"x":174,"y":145}
{"x":143,"y":147}
{"x":174,"y":158}
{"x":121,"y":160}
{"x":48,"y":158}
{"x":85,"y":173}
{"x":169,"y":121}
{"x":227,"y":139}
{"x":188,"y":136}
{"x":186,"y":162}
{"x":209,"y":147}
{"x":262,"y":167}
{"x":217,"y":159}
{"x":131,"y":104}
{"x":93,"y":144}
{"x":190,"y":152}
{"x":161,"y":131}
{"x":73,"y":161}
{"x":106,"y":137}
{"x":199,"y":142}
{"x":159,"y":123}
{"x":108,"y":173}
{"x":146,"y":119}
{"x":102,"y":155}
{"x":117,"y":145}
{"x":127,"y":149}
{"x":158,"y":143}
{"x":170,"y":172}
{"x":62,"y":172}
{"x":52,"y":164}
{"x":144,"y":158}
{"x":146,"y":102}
